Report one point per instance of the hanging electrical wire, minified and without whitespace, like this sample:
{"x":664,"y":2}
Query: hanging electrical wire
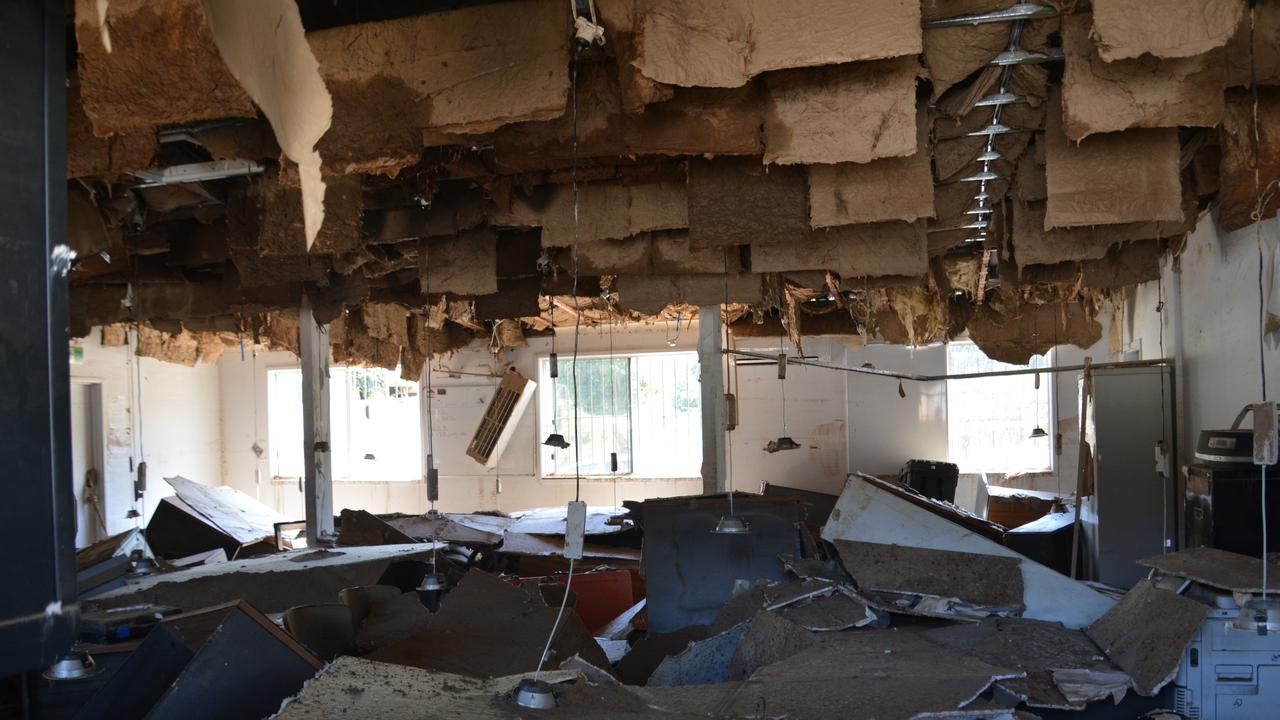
{"x":586,"y":32}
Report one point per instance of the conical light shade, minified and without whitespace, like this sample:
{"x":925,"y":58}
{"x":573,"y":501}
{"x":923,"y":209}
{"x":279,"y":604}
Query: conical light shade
{"x":782,"y":443}
{"x":1039,"y":432}
{"x":556,"y":440}
{"x":731,"y":525}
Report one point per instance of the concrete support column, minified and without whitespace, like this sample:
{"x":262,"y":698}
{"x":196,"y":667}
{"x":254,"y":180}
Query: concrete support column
{"x":714,"y":417}
{"x":313,"y":341}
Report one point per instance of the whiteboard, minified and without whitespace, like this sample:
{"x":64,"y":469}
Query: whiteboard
{"x":456,"y":411}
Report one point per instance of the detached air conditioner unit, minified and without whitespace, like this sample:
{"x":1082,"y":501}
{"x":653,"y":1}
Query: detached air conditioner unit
{"x":500,"y":419}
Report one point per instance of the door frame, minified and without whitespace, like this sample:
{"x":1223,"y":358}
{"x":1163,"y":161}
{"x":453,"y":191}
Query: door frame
{"x":98,"y":453}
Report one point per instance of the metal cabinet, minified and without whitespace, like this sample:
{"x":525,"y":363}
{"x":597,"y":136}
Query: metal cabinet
{"x":1128,"y":514}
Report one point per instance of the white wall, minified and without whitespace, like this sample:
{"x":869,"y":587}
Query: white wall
{"x":885,"y":429}
{"x":1211,"y":322}
{"x":168,"y":417}
{"x":816,"y":419}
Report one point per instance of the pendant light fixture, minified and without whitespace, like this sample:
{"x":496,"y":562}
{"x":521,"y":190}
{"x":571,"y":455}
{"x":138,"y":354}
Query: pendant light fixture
{"x":555,"y":439}
{"x":433,"y":475}
{"x":784,"y":441}
{"x":729,"y":524}
{"x":1038,"y":431}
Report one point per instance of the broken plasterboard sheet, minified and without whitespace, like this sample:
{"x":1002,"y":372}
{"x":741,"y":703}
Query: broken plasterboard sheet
{"x":659,"y":253}
{"x":852,"y":251}
{"x":703,"y":662}
{"x":1101,"y":97}
{"x":236,"y":514}
{"x":1238,"y":193}
{"x":1255,"y":49}
{"x":649,"y":294}
{"x":1164,"y":28}
{"x":898,"y":188}
{"x":465,"y":70}
{"x":125,"y":89}
{"x":865,"y":513}
{"x":634,"y":89}
{"x":1218,"y":568}
{"x":1007,"y":333}
{"x":1122,"y":177}
{"x":770,"y":638}
{"x":1125,"y":265}
{"x":726,"y":43}
{"x":1033,"y":245}
{"x":953,"y":54}
{"x":841,"y":113}
{"x":88,"y":154}
{"x":1147,"y":633}
{"x":986,"y":581}
{"x":819,"y":605}
{"x":273,"y":583}
{"x":485,"y":628}
{"x":612,"y":210}
{"x":869,"y":674}
{"x":443,"y":528}
{"x":739,"y":201}
{"x":380,"y":691}
{"x":273,"y":219}
{"x":1042,"y":650}
{"x":551,"y":521}
{"x":514,"y":543}
{"x":264,"y":46}
{"x":695,"y":121}
{"x":361,"y":527}
{"x":463,"y":265}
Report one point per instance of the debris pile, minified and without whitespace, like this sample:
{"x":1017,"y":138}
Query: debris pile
{"x":896,"y":608}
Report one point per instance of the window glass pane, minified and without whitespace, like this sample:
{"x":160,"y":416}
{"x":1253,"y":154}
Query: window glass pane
{"x":383,"y":423}
{"x":604,"y":416}
{"x":646,"y":408}
{"x":373,"y":424}
{"x":284,"y":422}
{"x":990,"y":420}
{"x":668,"y":415}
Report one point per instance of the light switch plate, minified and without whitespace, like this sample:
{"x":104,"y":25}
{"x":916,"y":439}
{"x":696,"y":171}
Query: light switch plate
{"x":1266,"y":445}
{"x":575,"y":529}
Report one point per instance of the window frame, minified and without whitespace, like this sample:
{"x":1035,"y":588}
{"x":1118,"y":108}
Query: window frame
{"x":540,"y":409}
{"x":265,"y":399}
{"x":1047,"y":378}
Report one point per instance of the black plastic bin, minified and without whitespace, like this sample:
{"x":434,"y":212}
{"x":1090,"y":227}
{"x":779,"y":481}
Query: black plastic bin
{"x":932,"y":478}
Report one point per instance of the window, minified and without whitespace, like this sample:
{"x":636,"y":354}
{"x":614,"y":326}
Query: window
{"x":990,"y":420}
{"x":647,"y":408}
{"x":374,"y":423}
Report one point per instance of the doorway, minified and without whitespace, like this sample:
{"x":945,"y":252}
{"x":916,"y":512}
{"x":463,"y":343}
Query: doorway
{"x":87,"y":460}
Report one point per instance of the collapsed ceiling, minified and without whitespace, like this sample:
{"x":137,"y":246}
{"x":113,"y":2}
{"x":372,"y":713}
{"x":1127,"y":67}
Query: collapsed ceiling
{"x":863,"y":167}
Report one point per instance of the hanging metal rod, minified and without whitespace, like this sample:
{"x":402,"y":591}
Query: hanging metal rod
{"x":1021,"y":11}
{"x":1162,"y":362}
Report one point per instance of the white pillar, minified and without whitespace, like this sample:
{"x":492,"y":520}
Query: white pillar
{"x":313,"y":342}
{"x":714,"y":423}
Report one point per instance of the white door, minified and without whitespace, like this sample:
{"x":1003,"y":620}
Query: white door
{"x":84,"y":460}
